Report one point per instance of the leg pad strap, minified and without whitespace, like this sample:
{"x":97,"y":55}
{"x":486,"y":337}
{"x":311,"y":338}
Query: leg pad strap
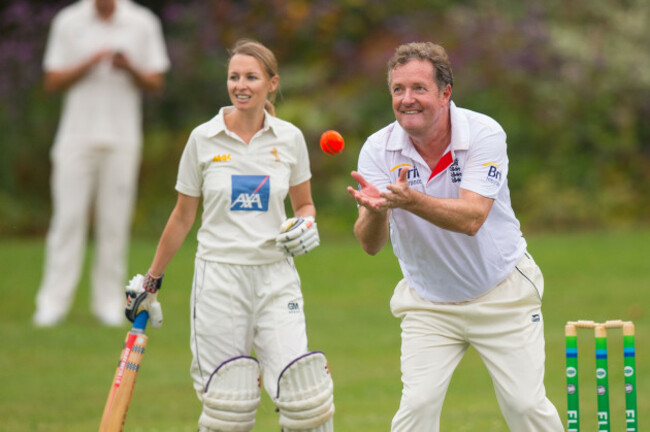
{"x":231,"y":396}
{"x":305,"y":396}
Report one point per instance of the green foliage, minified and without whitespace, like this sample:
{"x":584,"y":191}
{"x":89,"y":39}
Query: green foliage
{"x":57,"y":380}
{"x":569,"y":83}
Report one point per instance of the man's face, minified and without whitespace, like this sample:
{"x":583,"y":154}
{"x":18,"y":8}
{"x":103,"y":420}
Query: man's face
{"x":418,"y":105}
{"x":105,"y":8}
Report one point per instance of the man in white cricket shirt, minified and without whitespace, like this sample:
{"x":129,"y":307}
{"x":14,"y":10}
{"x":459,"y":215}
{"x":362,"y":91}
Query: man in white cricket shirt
{"x":103,"y":54}
{"x":436,"y":182}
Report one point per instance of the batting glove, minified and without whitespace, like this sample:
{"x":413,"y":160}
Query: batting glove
{"x":142,"y":294}
{"x":297,"y":236}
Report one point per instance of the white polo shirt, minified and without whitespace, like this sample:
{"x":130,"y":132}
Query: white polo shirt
{"x":104,"y":107}
{"x":439,"y":264}
{"x":244,"y":187}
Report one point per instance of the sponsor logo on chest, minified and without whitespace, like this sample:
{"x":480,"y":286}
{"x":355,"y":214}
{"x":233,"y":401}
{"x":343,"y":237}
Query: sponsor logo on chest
{"x":454,"y":172}
{"x":222,"y":158}
{"x":413,"y":176}
{"x":250,"y":193}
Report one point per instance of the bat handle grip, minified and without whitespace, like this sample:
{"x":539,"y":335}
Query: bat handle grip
{"x":140,"y":321}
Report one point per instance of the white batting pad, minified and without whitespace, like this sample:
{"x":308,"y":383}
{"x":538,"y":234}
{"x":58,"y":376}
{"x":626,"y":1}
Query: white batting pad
{"x":305,"y":396}
{"x":231,"y":396}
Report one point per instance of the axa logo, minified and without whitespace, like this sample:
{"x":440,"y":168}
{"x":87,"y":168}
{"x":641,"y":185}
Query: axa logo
{"x":250,"y":193}
{"x":413,"y":176}
{"x":222,"y":158}
{"x":494,"y":174}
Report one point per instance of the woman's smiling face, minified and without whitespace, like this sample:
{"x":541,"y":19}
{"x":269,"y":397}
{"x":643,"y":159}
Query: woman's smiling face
{"x":248,"y":83}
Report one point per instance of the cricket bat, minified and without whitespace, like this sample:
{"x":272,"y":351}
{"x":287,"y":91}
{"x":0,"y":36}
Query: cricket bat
{"x":119,"y":396}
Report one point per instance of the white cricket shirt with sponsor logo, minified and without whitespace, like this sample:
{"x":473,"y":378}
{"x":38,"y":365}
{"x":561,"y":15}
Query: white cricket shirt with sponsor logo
{"x":243,"y":186}
{"x":442,"y":265}
{"x":104,"y":107}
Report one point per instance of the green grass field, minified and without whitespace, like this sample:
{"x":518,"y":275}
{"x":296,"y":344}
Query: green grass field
{"x":57,"y":379}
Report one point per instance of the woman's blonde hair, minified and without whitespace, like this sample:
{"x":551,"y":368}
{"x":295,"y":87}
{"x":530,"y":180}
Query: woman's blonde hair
{"x":266,"y":58}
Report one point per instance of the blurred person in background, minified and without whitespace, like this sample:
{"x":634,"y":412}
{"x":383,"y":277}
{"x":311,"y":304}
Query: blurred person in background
{"x":246,"y":294}
{"x":102,"y":54}
{"x":435,"y":182}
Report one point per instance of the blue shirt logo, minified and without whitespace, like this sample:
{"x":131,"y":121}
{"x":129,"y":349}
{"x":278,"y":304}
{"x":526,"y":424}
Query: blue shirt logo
{"x":494,"y":175}
{"x":250,"y":193}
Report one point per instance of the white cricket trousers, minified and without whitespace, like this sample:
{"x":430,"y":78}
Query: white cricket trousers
{"x":238,"y":308}
{"x":505,"y":326}
{"x":86,"y":179}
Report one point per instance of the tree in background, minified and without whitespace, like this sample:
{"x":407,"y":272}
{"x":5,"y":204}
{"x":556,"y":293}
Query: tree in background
{"x":569,"y":82}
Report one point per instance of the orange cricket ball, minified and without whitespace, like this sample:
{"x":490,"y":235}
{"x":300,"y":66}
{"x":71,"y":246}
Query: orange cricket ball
{"x":331,"y":142}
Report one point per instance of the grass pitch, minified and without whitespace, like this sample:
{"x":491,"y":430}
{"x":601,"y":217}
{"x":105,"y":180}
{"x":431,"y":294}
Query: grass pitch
{"x":57,"y":379}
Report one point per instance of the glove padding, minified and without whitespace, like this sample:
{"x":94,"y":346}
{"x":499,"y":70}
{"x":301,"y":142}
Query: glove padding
{"x":139,"y":299}
{"x":297,"y":236}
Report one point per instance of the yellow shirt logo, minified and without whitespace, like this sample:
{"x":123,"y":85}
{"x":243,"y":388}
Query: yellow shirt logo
{"x":222,"y":158}
{"x":274,"y":151}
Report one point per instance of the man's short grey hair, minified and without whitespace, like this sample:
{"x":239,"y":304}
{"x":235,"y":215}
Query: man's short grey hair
{"x":426,"y":51}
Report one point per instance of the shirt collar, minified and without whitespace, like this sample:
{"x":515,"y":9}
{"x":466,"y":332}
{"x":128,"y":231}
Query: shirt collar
{"x":459,"y":128}
{"x":459,"y":134}
{"x":118,"y":13}
{"x":217,"y":124}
